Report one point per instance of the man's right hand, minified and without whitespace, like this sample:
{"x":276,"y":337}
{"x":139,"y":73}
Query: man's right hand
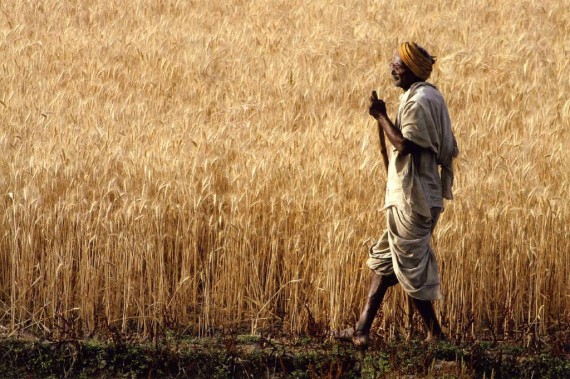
{"x":377,"y":106}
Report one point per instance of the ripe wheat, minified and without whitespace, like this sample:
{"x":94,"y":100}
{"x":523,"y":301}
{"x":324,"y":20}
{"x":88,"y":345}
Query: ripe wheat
{"x":211,"y":165}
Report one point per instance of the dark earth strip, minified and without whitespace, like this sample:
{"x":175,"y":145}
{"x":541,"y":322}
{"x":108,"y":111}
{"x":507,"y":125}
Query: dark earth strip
{"x":258,"y":357}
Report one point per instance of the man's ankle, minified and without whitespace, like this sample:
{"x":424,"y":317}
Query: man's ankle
{"x":359,"y":332}
{"x":361,"y":328}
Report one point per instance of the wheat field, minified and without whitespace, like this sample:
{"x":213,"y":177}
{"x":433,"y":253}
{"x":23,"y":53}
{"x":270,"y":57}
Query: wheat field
{"x":205,"y":166}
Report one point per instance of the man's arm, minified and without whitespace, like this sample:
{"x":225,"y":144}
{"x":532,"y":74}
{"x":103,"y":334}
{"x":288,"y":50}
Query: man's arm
{"x":377,"y":110}
{"x":402,"y":144}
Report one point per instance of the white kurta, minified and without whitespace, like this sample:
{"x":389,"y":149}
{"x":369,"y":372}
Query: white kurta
{"x":414,"y":182}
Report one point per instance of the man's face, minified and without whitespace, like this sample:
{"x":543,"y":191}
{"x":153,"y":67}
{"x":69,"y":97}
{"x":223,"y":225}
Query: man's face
{"x":401,"y":74}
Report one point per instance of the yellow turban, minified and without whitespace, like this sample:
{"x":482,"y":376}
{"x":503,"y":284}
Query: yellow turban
{"x":419,"y":62}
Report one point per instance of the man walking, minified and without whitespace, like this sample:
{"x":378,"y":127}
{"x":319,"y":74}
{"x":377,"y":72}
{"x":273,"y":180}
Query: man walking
{"x":422,"y":142}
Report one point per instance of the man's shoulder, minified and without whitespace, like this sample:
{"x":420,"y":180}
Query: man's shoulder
{"x":426,"y":94}
{"x":424,"y":89}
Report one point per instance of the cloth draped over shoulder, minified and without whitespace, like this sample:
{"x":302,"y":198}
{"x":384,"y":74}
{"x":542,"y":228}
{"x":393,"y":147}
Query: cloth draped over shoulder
{"x":423,"y":119}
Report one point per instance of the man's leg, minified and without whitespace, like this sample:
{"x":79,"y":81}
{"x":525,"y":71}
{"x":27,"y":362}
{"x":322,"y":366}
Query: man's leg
{"x":425,"y":309}
{"x":378,"y":286}
{"x":379,"y":261}
{"x":410,"y":304}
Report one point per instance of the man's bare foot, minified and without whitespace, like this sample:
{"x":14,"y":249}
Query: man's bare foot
{"x":361,"y":340}
{"x":433,"y":338}
{"x":343,"y":335}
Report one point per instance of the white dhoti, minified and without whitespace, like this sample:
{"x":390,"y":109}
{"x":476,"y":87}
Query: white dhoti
{"x":404,"y":251}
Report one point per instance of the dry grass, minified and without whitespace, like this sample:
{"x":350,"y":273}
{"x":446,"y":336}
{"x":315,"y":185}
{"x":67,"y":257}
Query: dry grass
{"x":211,"y":164}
